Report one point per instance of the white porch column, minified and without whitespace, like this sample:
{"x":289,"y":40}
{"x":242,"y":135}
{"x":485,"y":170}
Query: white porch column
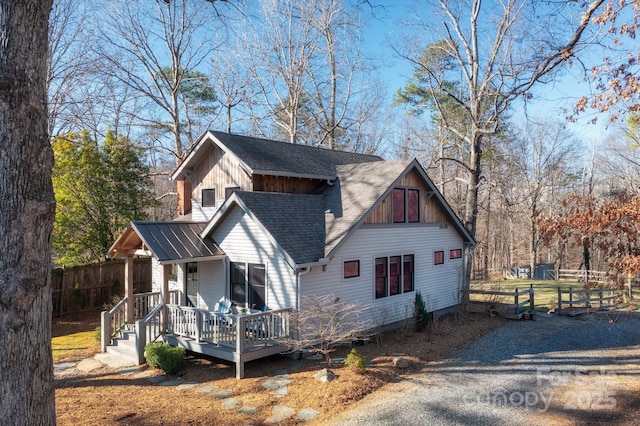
{"x":128,"y":287}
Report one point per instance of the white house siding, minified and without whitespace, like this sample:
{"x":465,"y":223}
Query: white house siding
{"x":438,"y":284}
{"x":202,"y":214}
{"x":156,"y":277}
{"x":242,"y":240}
{"x":211,"y":283}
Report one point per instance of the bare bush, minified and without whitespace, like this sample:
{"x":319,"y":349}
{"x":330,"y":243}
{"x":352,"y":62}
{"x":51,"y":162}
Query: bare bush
{"x":325,"y":322}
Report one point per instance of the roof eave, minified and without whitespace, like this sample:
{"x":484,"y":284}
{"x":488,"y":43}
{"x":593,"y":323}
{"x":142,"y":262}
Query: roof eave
{"x":191,"y":259}
{"x":292,"y":175}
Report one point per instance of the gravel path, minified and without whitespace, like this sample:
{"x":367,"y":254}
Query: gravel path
{"x":524,"y":373}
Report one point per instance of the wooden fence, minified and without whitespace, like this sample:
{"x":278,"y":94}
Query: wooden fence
{"x":582,"y":301}
{"x":90,"y":287}
{"x":493,"y":302}
{"x":578,"y":275}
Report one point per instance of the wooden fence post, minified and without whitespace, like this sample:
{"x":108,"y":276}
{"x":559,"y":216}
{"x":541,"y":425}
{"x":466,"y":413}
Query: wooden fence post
{"x":559,"y":301}
{"x":570,"y":299}
{"x":532,"y":305}
{"x":517,"y":304}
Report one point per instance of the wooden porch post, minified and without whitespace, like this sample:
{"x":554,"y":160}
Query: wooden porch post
{"x":128,"y":288}
{"x":164,"y":292}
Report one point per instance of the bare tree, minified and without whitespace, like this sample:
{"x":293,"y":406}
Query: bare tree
{"x":500,"y":53}
{"x":155,"y":48}
{"x":26,"y":216}
{"x":324,"y":322}
{"x":546,"y":158}
{"x":279,"y":52}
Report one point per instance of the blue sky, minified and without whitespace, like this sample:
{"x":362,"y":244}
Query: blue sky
{"x":549,"y":100}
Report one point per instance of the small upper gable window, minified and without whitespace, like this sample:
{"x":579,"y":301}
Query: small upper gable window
{"x":208,"y":197}
{"x":455,"y":254}
{"x":438,"y":257}
{"x":406,"y":205}
{"x":230,"y":190}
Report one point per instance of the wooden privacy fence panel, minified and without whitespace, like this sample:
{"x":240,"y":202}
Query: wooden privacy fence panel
{"x":90,"y":287}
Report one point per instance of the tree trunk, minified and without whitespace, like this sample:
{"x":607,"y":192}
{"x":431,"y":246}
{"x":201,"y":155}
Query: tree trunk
{"x":471,"y":206}
{"x":26,"y":216}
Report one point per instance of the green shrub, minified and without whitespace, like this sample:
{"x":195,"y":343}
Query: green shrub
{"x":169,"y":358}
{"x":98,"y":334}
{"x":420,"y":312}
{"x":355,"y":361}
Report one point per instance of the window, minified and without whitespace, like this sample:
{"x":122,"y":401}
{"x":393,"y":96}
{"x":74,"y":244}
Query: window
{"x":208,"y":197}
{"x":455,"y":254}
{"x":438,"y":257}
{"x":398,"y":205}
{"x":351,"y":268}
{"x":394,"y":275}
{"x":248,"y":284}
{"x":407,"y":273}
{"x":413,"y":210}
{"x":230,"y":190}
{"x":381,"y":277}
{"x":406,"y":205}
{"x":192,"y":285}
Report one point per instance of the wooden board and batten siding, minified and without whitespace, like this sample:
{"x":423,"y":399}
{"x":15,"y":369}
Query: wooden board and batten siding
{"x":438,"y":284}
{"x":430,"y":210}
{"x":218,"y":170}
{"x":288,"y":185}
{"x":281,"y":278}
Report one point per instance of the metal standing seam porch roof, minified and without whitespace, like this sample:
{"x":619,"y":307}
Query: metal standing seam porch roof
{"x":169,"y":242}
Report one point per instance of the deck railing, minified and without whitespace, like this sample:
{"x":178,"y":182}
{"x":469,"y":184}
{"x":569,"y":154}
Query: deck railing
{"x":143,"y":303}
{"x":222,"y":329}
{"x":149,"y":329}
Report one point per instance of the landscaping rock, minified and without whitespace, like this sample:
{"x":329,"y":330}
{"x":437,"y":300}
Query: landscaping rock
{"x":400,"y":362}
{"x":206,"y":389}
{"x":248,"y":410}
{"x":221,"y":394}
{"x":174,"y":382}
{"x":280,"y":392}
{"x":276,"y":382}
{"x":63,"y":365}
{"x":187,"y":385}
{"x":280,"y":413}
{"x":308,"y":414}
{"x":231,"y":403}
{"x":325,"y":375}
{"x":144,"y":374}
{"x":157,"y":379}
{"x":132,"y":370}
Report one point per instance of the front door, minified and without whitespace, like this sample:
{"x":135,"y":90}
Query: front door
{"x":248,"y":284}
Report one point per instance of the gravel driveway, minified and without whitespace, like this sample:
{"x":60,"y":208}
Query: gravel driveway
{"x":555,"y":370}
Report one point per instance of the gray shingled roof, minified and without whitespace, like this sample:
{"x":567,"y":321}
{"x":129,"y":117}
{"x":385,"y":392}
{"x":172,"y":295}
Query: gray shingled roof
{"x":170,"y":241}
{"x":295,"y":221}
{"x":269,"y":156}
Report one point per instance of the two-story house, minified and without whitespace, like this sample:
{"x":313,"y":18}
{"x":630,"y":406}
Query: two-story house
{"x":264,"y":223}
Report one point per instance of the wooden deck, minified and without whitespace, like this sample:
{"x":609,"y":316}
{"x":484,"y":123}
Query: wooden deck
{"x":231,"y":337}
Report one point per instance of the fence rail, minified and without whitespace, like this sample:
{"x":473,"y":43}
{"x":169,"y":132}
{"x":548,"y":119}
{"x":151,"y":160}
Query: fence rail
{"x":492,"y":302}
{"x":587,"y":300}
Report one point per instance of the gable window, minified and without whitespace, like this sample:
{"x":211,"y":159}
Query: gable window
{"x":394,"y":275}
{"x":351,"y":269}
{"x":398,"y":205}
{"x":208,"y":197}
{"x":455,"y":254}
{"x":248,"y":284}
{"x":406,"y":205}
{"x":230,"y":190}
{"x":438,"y":257}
